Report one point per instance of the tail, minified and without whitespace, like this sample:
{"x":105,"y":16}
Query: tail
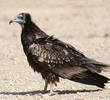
{"x":95,"y":66}
{"x":90,"y":78}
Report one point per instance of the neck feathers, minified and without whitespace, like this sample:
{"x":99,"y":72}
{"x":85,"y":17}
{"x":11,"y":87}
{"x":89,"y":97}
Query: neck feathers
{"x":30,"y":27}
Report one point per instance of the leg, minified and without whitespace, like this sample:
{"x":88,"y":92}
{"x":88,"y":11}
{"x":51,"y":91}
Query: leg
{"x":51,"y":88}
{"x":46,"y":85}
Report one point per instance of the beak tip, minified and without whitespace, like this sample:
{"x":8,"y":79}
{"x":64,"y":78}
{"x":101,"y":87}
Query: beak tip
{"x":10,"y":21}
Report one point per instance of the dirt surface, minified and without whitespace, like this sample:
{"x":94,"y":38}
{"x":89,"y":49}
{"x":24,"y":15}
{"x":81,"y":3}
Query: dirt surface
{"x":83,"y":23}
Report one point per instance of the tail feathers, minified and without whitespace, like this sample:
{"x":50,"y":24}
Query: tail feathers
{"x":96,"y":66}
{"x":90,"y":78}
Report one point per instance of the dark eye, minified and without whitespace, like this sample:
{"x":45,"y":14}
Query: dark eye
{"x":21,"y":17}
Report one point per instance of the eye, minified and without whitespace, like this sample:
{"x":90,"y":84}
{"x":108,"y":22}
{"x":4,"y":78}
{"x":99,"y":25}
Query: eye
{"x":21,"y":17}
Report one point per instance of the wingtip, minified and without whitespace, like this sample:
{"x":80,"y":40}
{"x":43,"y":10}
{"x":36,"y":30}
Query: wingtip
{"x":106,"y":69}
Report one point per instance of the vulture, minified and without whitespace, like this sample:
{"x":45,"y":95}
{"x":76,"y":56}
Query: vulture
{"x":53,"y":58}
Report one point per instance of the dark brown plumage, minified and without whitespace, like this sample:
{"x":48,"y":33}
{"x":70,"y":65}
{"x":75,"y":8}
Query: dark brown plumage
{"x":53,"y":58}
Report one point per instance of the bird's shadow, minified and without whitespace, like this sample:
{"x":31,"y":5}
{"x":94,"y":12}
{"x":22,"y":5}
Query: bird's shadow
{"x":60,"y":92}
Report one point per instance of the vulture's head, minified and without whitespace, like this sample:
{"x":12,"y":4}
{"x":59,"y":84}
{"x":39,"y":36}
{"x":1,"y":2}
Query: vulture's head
{"x":21,"y":18}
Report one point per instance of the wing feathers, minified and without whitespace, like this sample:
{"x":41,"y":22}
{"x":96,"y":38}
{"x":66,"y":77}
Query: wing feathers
{"x":63,"y":59}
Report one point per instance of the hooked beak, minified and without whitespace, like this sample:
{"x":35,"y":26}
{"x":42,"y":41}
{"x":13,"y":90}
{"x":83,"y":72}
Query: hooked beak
{"x":17,"y":20}
{"x":14,"y":20}
{"x":11,"y":21}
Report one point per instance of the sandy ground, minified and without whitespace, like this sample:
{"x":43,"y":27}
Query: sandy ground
{"x":83,"y":23}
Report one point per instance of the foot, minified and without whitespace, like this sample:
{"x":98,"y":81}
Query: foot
{"x":52,"y":93}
